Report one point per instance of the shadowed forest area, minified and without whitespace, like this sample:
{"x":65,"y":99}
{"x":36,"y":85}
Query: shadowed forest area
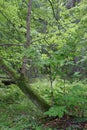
{"x":43,"y":64}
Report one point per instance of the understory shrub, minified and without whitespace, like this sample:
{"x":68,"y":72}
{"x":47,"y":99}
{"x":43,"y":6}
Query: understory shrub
{"x":70,"y":99}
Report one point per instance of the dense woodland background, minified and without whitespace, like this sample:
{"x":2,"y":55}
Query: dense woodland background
{"x":43,"y":64}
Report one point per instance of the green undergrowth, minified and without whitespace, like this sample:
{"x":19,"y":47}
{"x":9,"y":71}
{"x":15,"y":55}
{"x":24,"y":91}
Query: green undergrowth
{"x":16,"y":111}
{"x":42,"y":87}
{"x":69,"y":97}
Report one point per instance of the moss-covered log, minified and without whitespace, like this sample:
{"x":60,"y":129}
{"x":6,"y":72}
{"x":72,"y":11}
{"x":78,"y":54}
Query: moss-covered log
{"x":6,"y":68}
{"x":23,"y":84}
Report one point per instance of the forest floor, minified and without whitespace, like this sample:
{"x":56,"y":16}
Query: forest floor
{"x":66,"y":123}
{"x":18,"y":113}
{"x":18,"y":117}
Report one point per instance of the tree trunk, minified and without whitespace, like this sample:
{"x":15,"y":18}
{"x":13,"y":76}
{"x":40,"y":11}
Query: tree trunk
{"x":21,"y":79}
{"x":72,"y":3}
{"x":28,"y":40}
{"x":33,"y":96}
{"x":23,"y":84}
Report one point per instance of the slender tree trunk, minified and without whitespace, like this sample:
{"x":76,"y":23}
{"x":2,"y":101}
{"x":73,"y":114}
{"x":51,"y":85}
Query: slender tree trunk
{"x":28,"y":24}
{"x":28,"y":40}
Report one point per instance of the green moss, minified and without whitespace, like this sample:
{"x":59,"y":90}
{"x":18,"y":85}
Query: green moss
{"x":23,"y":83}
{"x":11,"y":72}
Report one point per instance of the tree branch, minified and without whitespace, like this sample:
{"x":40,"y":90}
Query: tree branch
{"x":11,"y":44}
{"x":52,"y":9}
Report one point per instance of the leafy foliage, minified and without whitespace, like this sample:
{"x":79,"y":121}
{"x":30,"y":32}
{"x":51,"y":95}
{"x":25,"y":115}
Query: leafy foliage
{"x":58,"y":53}
{"x":69,"y":99}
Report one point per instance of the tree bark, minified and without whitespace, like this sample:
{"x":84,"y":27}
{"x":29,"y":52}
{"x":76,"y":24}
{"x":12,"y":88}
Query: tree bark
{"x":71,"y":3}
{"x":28,"y":40}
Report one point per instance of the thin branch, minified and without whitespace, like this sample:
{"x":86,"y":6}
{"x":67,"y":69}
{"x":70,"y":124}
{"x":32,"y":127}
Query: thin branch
{"x":4,"y":77}
{"x":31,"y":42}
{"x":14,"y":44}
{"x":8,"y":44}
{"x":53,"y":9}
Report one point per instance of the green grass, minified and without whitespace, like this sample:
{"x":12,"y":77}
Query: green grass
{"x":17,"y":113}
{"x":17,"y":116}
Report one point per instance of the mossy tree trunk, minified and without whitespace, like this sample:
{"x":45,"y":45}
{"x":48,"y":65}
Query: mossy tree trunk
{"x":21,"y":79}
{"x":23,"y":84}
{"x":33,"y":96}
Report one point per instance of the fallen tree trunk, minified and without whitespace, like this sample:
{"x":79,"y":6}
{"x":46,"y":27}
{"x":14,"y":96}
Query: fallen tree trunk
{"x":21,"y":79}
{"x":33,"y":96}
{"x":23,"y":84}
